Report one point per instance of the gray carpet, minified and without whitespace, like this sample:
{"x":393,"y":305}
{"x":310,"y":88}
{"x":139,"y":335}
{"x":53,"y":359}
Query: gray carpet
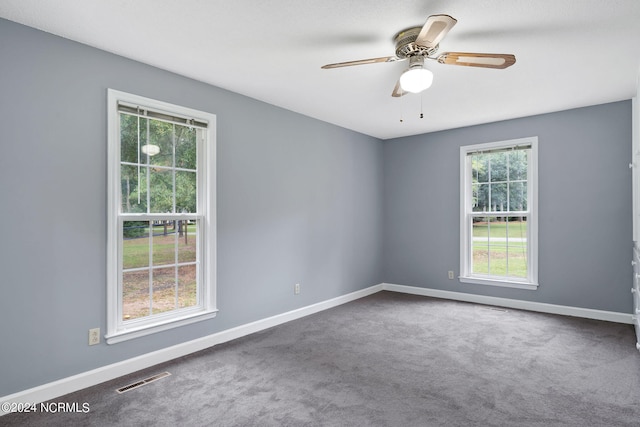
{"x":388,"y":360}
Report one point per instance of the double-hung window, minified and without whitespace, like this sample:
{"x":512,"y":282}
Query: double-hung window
{"x":161,"y":216}
{"x":498,"y":221}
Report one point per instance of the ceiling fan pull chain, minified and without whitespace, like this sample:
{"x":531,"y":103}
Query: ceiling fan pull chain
{"x":401,"y":104}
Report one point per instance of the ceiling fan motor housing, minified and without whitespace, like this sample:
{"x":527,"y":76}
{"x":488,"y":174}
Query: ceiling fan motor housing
{"x":406,"y":46}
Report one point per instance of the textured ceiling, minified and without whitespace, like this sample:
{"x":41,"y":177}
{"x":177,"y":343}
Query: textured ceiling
{"x":570,"y":53}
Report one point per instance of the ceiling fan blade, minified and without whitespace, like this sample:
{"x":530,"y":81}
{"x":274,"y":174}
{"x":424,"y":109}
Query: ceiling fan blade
{"x":397,"y":91}
{"x":360,"y":62}
{"x":434,"y":30}
{"x":484,"y":60}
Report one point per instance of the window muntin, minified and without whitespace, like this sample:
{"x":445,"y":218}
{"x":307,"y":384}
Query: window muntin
{"x":498,"y":218}
{"x":162,"y":216}
{"x":499,"y":247}
{"x":160,"y":261}
{"x":156,"y":275}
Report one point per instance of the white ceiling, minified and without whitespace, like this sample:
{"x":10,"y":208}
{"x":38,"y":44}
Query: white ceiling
{"x":570,"y":53}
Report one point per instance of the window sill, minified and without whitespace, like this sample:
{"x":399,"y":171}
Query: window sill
{"x":132,"y":332}
{"x":498,"y":282}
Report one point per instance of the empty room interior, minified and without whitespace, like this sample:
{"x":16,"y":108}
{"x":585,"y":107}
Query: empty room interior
{"x":387,"y":213}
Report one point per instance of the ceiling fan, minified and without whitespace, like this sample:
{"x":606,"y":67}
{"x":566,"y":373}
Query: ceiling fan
{"x":419,"y":43}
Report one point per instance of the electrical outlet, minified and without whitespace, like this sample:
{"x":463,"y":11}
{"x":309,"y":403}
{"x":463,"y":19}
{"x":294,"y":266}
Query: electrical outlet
{"x":450,"y":275}
{"x":296,"y":288}
{"x":94,"y":336}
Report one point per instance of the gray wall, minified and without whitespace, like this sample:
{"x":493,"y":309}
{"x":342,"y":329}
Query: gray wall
{"x":299,"y":201}
{"x":584,"y":207}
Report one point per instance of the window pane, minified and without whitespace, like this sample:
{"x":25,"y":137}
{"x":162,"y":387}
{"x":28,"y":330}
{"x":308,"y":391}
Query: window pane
{"x":517,"y":255}
{"x":518,"y":165}
{"x":135,"y":244}
{"x":518,"y":196}
{"x":129,"y":137}
{"x":161,"y":137}
{"x":187,"y":242}
{"x":161,"y":200}
{"x":517,"y":227}
{"x":186,"y":155}
{"x":164,"y":289}
{"x":133,"y":184}
{"x":498,"y":166}
{"x":168,"y":237}
{"x":479,"y":197}
{"x":185,"y":192}
{"x":135,"y":294}
{"x":480,"y":246}
{"x":164,"y":244}
{"x":497,"y":247}
{"x":187,"y":290}
{"x":499,"y":197}
{"x":480,"y":168}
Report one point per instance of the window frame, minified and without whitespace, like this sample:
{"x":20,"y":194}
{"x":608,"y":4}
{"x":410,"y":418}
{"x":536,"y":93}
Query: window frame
{"x":466,"y":213}
{"x":119,"y":330}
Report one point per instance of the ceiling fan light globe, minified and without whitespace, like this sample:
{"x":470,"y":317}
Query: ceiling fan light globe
{"x":415,"y":80}
{"x":150,"y":149}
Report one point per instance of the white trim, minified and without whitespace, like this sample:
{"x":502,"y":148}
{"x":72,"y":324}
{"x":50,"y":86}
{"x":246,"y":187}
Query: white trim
{"x":635,"y":165}
{"x":117,"y":330}
{"x":160,"y":326}
{"x":531,"y":283}
{"x":564,"y":310}
{"x":105,"y":373}
{"x":498,"y":282}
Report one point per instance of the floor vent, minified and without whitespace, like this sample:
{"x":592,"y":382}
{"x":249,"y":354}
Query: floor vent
{"x":142,"y":382}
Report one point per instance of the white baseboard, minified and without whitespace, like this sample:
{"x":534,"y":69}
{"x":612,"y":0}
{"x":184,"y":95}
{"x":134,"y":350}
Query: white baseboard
{"x":609,"y":316}
{"x":96,"y":376}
